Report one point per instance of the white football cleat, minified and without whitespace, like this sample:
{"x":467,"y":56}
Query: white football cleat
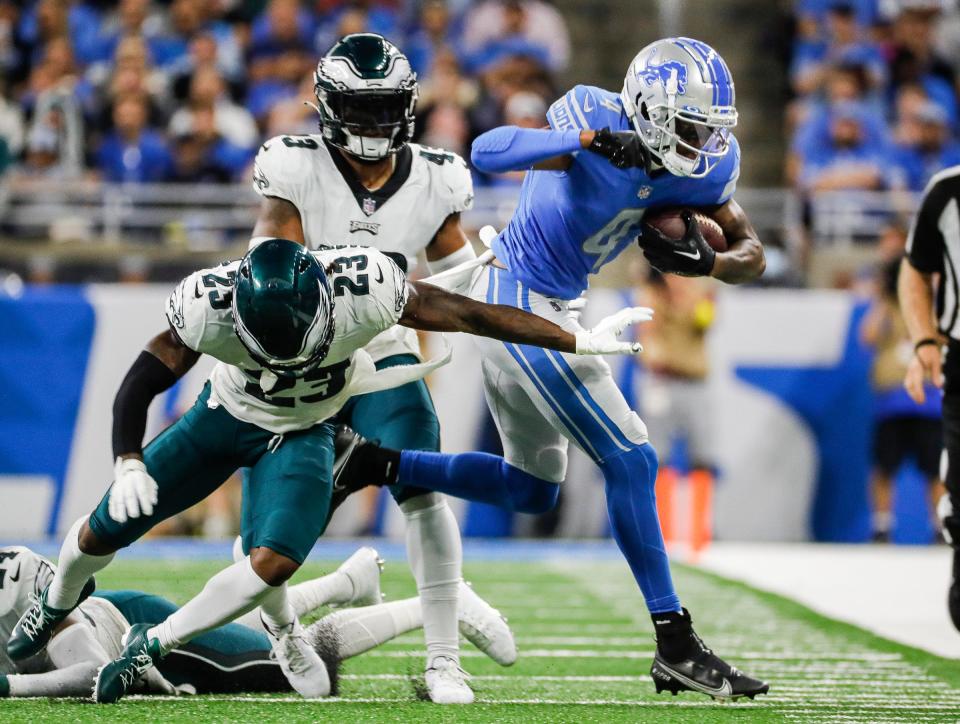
{"x":485,"y":627}
{"x":299,"y":661}
{"x":447,"y":682}
{"x":363,"y":569}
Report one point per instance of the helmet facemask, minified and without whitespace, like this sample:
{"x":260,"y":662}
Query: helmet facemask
{"x":685,"y":142}
{"x":368,"y":124}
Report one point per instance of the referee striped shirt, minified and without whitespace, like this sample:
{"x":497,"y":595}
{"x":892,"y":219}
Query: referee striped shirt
{"x":933,"y":245}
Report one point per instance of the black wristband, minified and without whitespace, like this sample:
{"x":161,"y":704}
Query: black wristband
{"x":924,"y":343}
{"x":146,"y":379}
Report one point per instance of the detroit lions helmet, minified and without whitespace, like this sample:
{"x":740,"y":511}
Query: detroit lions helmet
{"x":283,"y":307}
{"x":366,"y":94}
{"x":679,"y":95}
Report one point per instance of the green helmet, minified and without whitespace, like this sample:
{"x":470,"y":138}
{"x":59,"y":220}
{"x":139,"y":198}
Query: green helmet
{"x":283,"y":308}
{"x":366,"y":94}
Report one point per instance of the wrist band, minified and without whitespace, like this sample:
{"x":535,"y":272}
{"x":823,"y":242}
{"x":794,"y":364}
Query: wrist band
{"x":924,"y":342}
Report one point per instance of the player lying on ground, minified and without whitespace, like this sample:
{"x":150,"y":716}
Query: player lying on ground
{"x":287,"y":327}
{"x":664,"y":141}
{"x":230,"y":659}
{"x":361,"y":178}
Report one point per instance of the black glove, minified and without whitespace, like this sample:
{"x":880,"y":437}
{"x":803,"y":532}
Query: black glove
{"x":623,"y":149}
{"x":690,"y":256}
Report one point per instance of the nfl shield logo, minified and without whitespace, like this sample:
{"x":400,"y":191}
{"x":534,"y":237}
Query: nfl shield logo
{"x":644,"y":192}
{"x":369,"y":206}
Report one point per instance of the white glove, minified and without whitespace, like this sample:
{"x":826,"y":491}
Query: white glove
{"x":605,"y":337}
{"x":487,"y":235}
{"x":133,"y":493}
{"x":575,"y":307}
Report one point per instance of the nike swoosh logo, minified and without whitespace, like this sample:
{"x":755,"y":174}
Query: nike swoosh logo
{"x":695,"y":257}
{"x":14,"y":580}
{"x":198,"y":291}
{"x":586,"y":105}
{"x":379,"y":279}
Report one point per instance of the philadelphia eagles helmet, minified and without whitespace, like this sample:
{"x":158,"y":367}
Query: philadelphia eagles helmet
{"x":366,"y":94}
{"x":679,"y":95}
{"x":283,"y":308}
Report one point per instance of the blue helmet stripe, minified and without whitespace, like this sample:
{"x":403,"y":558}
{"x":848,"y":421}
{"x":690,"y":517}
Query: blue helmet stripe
{"x":722,"y":82}
{"x":688,"y":45}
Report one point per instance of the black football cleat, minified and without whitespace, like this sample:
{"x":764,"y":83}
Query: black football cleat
{"x":353,"y":467}
{"x":698,"y":669}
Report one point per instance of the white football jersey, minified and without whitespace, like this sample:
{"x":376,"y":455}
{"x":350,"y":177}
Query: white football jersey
{"x":370,"y":293}
{"x":403,"y":216}
{"x":23,"y":575}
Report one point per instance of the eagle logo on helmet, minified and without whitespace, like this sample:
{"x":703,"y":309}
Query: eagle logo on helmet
{"x":670,"y":71}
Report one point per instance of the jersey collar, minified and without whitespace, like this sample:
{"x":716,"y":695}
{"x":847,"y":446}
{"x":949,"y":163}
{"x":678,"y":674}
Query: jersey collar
{"x":370,"y":201}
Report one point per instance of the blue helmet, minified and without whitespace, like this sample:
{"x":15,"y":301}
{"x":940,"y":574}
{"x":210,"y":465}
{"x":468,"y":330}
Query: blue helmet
{"x":678,"y":93}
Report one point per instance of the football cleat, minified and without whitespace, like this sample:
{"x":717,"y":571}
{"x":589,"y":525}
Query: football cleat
{"x":698,"y":668}
{"x":447,"y":682}
{"x":485,"y":627}
{"x":299,"y":661}
{"x":347,"y":473}
{"x":116,"y":678}
{"x":36,"y":625}
{"x":363,"y":569}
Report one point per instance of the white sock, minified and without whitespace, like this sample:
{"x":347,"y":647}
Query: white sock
{"x":360,"y":629}
{"x":75,"y":680}
{"x":435,"y":554}
{"x":334,"y":588}
{"x":233,"y":591}
{"x":74,"y":568}
{"x":277,"y":611}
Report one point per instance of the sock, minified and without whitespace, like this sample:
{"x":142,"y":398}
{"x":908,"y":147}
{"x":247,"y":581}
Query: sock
{"x":480,"y":477}
{"x":632,"y":508}
{"x":74,"y":569}
{"x":277,"y":611}
{"x":233,"y":591}
{"x":675,"y":637}
{"x":435,"y":554}
{"x":882,"y":521}
{"x":75,"y":681}
{"x":357,"y":630}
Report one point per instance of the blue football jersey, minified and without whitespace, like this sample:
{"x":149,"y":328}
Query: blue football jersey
{"x":570,"y":223}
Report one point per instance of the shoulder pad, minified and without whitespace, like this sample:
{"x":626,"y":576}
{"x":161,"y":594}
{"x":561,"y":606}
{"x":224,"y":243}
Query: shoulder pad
{"x":281,"y":165}
{"x":583,"y":107}
{"x":199,"y":308}
{"x":454,"y":182}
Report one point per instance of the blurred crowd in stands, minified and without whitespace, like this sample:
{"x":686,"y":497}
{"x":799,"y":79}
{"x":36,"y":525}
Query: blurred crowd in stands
{"x":185,"y":90}
{"x":874,"y":85}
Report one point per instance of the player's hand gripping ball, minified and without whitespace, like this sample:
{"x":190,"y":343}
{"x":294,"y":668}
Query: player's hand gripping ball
{"x":681,"y":241}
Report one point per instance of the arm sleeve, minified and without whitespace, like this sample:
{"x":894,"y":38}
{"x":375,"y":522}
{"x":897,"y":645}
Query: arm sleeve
{"x":925,"y":243}
{"x":509,"y":148}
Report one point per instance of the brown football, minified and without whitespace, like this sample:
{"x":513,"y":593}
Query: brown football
{"x":669,"y":222}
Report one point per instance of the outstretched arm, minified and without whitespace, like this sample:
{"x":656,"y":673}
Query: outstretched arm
{"x":434,"y":309}
{"x":510,"y":148}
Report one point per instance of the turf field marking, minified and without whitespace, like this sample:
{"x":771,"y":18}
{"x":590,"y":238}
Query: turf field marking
{"x":880,"y":659}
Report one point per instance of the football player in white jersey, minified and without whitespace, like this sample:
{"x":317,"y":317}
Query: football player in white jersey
{"x":288,"y":327}
{"x":232,"y":658}
{"x":361,"y":181}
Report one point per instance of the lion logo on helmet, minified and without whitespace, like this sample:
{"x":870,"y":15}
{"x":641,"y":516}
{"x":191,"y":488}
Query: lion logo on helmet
{"x":670,"y":71}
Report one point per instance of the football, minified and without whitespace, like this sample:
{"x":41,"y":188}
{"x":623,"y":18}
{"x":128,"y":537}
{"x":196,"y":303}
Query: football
{"x":669,"y":222}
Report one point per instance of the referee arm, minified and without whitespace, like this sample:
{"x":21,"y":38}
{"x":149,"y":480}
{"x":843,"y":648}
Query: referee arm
{"x":927,"y":256}
{"x":915,"y":290}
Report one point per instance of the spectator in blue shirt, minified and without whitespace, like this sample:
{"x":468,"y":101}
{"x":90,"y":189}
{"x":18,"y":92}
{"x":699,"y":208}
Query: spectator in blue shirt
{"x":926,"y":146}
{"x":133,"y":153}
{"x":845,"y":43}
{"x":434,"y":33}
{"x":280,"y":54}
{"x":849,"y":160}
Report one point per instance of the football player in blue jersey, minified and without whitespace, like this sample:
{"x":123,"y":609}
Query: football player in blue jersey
{"x":665,"y":140}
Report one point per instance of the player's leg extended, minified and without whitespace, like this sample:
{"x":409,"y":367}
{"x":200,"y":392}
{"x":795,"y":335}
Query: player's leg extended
{"x":286,"y":500}
{"x":187,"y":460}
{"x":404,"y":418}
